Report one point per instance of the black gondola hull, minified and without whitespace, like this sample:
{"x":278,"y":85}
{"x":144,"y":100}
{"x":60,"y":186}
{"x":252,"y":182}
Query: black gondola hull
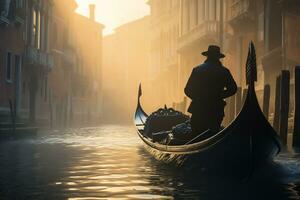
{"x":236,"y":151}
{"x":248,"y":142}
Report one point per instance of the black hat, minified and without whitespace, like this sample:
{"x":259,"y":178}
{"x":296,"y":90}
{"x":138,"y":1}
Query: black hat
{"x":213,"y":50}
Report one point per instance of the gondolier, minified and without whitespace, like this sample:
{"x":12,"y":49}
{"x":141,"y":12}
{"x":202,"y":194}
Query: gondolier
{"x":209,"y":84}
{"x":248,"y":143}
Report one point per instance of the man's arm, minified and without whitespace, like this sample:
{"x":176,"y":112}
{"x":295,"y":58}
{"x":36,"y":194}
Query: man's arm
{"x":230,"y":86}
{"x":189,"y":89}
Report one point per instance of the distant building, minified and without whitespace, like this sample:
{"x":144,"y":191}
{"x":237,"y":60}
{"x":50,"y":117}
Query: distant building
{"x":273,"y":26}
{"x":281,"y":41}
{"x":126,"y":64}
{"x":58,"y":93}
{"x":38,"y":61}
{"x":245,"y":20}
{"x":232,"y":24}
{"x":75,"y":87}
{"x":24,"y":44}
{"x":164,"y":59}
{"x":52,"y":63}
{"x":87,"y":98}
{"x":201,"y":24}
{"x":12,"y":70}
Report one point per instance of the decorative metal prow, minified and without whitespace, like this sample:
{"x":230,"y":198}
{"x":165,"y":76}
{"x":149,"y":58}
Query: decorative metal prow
{"x":140,"y":91}
{"x":251,"y":66}
{"x":139,"y":96}
{"x":140,"y":115}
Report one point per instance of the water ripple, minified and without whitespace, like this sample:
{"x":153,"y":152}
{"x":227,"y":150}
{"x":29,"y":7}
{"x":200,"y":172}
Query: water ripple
{"x":109,"y":162}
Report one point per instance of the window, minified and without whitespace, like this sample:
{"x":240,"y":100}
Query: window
{"x":219,"y":9}
{"x":17,"y":73}
{"x":185,"y":21}
{"x":38,"y":33}
{"x":46,"y":29}
{"x":212,"y":10}
{"x":8,"y":67}
{"x":193,"y":13}
{"x":206,"y":4}
{"x":261,"y":27}
{"x":46,"y":89}
{"x":41,"y":31}
{"x":36,"y":29}
{"x":19,"y":3}
{"x":54,"y":32}
{"x":4,"y":7}
{"x":201,"y":11}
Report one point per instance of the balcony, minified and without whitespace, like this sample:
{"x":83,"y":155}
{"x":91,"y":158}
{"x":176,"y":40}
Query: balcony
{"x":206,"y":32}
{"x":20,"y":15}
{"x":3,"y":20}
{"x":38,"y":58}
{"x":241,"y":12}
{"x":272,"y":61}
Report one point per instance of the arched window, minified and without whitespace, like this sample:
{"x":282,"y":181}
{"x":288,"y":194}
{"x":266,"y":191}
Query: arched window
{"x":54,"y":32}
{"x":34,"y":26}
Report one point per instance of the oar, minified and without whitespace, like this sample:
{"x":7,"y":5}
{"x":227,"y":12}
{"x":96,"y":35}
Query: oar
{"x":208,"y":130}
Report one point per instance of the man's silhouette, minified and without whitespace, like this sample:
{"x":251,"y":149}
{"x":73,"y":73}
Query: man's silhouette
{"x":209,"y":84}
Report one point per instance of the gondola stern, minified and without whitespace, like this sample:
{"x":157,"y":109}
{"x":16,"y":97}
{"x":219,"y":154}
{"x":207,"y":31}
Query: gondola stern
{"x":251,"y":110}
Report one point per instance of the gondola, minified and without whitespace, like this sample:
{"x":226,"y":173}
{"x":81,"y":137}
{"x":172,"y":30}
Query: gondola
{"x":248,"y":142}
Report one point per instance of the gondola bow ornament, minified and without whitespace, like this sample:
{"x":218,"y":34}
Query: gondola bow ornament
{"x":251,"y":66}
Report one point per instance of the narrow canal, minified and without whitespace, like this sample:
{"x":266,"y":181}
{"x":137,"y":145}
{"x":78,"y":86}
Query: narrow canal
{"x":109,"y":162}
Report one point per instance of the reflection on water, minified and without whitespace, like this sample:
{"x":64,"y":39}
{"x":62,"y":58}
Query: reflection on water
{"x":109,"y":162}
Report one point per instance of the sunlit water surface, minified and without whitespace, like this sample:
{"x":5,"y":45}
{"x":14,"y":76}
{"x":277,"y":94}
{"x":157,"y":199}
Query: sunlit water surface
{"x":109,"y":162}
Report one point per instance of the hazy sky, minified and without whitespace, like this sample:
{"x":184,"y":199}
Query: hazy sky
{"x":113,"y":13}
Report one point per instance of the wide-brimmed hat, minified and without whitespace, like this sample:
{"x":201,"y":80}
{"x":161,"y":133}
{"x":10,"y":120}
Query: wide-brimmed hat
{"x":213,"y":50}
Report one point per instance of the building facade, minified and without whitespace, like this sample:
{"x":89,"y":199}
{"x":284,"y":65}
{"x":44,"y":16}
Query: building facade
{"x":231,"y":24}
{"x":126,"y":65}
{"x":86,"y":98}
{"x":245,"y":21}
{"x":281,"y":41}
{"x":59,"y":80}
{"x":202,"y":23}
{"x":272,"y":26}
{"x":26,"y":56}
{"x":164,"y":71}
{"x":12,"y":43}
{"x":51,"y":62}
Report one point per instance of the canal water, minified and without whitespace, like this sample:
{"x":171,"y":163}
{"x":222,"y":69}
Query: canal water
{"x":109,"y":162}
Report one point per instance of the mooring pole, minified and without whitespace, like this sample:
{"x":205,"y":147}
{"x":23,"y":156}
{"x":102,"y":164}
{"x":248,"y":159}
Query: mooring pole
{"x":238,"y":101}
{"x":284,"y":105}
{"x":13,"y":119}
{"x":277,"y":105}
{"x":266,"y":101}
{"x":296,"y":133}
{"x":226,"y":111}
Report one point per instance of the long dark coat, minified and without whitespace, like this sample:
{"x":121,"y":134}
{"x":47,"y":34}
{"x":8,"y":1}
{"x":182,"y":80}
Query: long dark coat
{"x":207,"y":87}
